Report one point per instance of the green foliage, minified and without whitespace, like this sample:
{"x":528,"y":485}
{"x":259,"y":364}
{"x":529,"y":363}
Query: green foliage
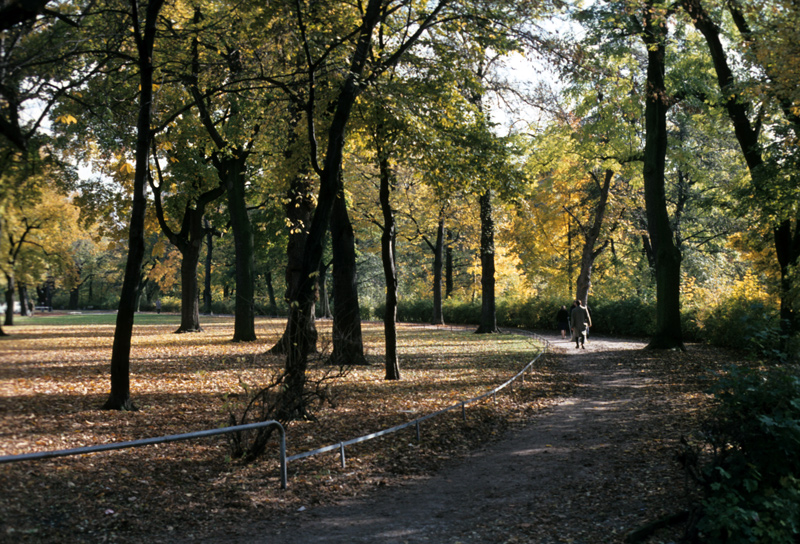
{"x":752,"y":491}
{"x":743,"y":323}
{"x":623,"y":317}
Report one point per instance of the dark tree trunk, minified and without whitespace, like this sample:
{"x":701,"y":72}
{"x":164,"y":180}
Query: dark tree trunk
{"x":209,"y":237}
{"x":273,"y":305}
{"x":190,"y":291}
{"x":119,"y":397}
{"x":668,"y":333}
{"x":232,"y":173}
{"x":24,"y":300}
{"x":74,"y":298}
{"x":189,"y":241}
{"x":301,"y":308}
{"x":322,"y":287}
{"x":348,"y":347}
{"x":388,"y":240}
{"x":488,"y":322}
{"x":2,"y":333}
{"x":590,"y":236}
{"x":299,"y":209}
{"x":787,"y":245}
{"x":9,"y":322}
{"x":448,"y":271}
{"x":786,"y":234}
{"x":438,"y":266}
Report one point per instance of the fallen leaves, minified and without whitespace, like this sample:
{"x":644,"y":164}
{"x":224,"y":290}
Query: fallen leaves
{"x":54,"y":379}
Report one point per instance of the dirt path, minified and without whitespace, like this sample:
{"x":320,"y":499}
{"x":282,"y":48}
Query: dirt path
{"x":587,"y":470}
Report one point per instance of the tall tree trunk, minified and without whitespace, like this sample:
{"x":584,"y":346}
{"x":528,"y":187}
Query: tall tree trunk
{"x":301,"y":308}
{"x":448,"y":271}
{"x":786,"y":233}
{"x":589,"y":253}
{"x":9,"y":322}
{"x":273,"y":305}
{"x":388,"y":239}
{"x":438,"y":265}
{"x":488,"y":322}
{"x":119,"y":397}
{"x":189,"y":241}
{"x":74,"y":298}
{"x":322,"y":287}
{"x":348,"y":347}
{"x":209,"y":238}
{"x":24,"y":300}
{"x":668,"y":334}
{"x":233,"y":176}
{"x":2,"y":333}
{"x":299,"y":209}
{"x":190,"y":291}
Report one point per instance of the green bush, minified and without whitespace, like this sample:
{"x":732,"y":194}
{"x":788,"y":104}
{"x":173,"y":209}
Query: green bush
{"x":738,"y":323}
{"x":752,"y":492}
{"x":623,"y":317}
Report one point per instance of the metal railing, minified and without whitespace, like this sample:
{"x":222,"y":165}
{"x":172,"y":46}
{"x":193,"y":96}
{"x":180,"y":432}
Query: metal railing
{"x":415,"y":422}
{"x":284,"y":460}
{"x":158,"y":440}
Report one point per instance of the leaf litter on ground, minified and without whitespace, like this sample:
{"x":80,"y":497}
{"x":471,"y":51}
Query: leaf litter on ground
{"x":53,"y":379}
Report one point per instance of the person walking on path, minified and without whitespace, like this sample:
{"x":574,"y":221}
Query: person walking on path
{"x":562,"y":318}
{"x":581,"y":321}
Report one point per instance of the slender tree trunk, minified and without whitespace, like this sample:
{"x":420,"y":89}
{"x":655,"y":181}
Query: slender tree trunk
{"x":438,"y":265}
{"x":233,"y":175}
{"x":448,"y":272}
{"x":273,"y":305}
{"x":787,"y":245}
{"x":348,"y":347}
{"x":299,"y":209}
{"x":24,"y":300}
{"x":786,"y":233}
{"x":388,"y":239}
{"x":9,"y":322}
{"x":589,"y":253}
{"x":119,"y":397}
{"x":3,"y":333}
{"x":74,"y":298}
{"x":668,"y":333}
{"x":209,"y":238}
{"x":488,"y":322}
{"x":301,"y":308}
{"x":322,"y":287}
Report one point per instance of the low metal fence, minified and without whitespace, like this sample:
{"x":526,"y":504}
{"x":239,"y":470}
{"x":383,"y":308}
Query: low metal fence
{"x":284,"y":460}
{"x":158,"y":440}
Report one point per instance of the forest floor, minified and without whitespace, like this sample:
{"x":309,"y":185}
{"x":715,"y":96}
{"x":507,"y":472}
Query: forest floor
{"x":582,"y":451}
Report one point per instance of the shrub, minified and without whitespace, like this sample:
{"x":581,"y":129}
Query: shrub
{"x":623,"y":317}
{"x":736,"y":322}
{"x":751,"y":486}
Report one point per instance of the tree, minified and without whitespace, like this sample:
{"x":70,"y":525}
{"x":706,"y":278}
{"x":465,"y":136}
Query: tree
{"x":329,"y":170}
{"x":189,"y":239}
{"x":776,"y":198}
{"x":36,"y":69}
{"x":668,"y":333}
{"x":144,"y":29}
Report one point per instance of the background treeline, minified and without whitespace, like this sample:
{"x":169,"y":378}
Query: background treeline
{"x":456,"y":119}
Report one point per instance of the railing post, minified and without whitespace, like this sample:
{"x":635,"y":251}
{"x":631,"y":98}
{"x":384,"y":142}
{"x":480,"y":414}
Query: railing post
{"x":284,"y":472}
{"x":341,"y":454}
